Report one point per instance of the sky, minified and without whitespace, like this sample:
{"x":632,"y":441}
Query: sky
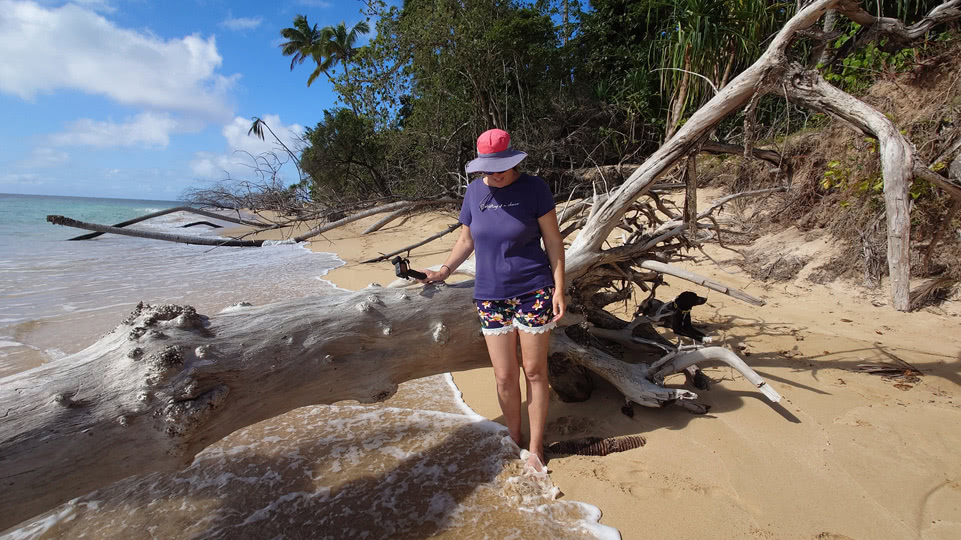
{"x":143,"y":99}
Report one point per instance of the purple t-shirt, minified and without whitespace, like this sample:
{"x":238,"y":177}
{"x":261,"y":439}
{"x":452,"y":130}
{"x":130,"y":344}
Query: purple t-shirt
{"x":507,"y":238}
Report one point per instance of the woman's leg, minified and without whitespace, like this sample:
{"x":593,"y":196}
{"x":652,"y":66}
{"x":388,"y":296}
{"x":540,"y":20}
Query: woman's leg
{"x":534,"y":349}
{"x":503,"y":352}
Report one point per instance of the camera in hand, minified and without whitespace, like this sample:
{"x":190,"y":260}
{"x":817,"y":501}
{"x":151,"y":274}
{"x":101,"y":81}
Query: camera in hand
{"x":402,"y":269}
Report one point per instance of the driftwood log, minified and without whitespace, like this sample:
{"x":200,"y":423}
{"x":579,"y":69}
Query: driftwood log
{"x":168,"y":381}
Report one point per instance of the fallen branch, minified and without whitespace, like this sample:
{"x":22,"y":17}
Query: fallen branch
{"x":702,"y":281}
{"x":195,"y":223}
{"x":951,"y":187}
{"x":772,"y":157}
{"x":402,"y":205}
{"x":189,"y":209}
{"x":405,"y":249}
{"x":390,"y":217}
{"x":153,"y":235}
{"x":415,"y":205}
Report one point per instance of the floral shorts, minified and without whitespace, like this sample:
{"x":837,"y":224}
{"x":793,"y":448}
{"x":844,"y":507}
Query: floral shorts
{"x":531,"y":312}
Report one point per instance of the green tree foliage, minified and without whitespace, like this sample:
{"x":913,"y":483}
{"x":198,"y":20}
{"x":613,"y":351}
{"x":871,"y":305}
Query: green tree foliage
{"x":344,"y":156}
{"x":302,"y":40}
{"x":614,"y":45}
{"x":445,"y":70}
{"x":858,"y":55}
{"x":660,"y":58}
{"x":481,"y":64}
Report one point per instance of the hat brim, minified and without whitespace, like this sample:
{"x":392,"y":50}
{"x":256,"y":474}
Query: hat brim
{"x":499,"y":162}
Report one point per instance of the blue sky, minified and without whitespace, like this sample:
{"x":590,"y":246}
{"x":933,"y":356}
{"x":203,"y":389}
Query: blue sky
{"x":145,"y":98}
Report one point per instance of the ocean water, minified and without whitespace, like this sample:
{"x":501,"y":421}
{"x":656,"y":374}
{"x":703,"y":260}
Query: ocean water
{"x":421,"y":464}
{"x":57,"y":296}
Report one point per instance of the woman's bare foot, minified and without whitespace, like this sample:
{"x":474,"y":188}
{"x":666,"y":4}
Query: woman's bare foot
{"x":536,"y":461}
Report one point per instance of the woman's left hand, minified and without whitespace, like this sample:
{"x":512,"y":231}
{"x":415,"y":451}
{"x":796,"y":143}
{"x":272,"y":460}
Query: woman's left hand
{"x":560,"y":304}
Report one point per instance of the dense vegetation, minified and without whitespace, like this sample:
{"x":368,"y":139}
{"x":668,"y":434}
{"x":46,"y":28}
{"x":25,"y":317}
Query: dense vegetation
{"x":576,"y":85}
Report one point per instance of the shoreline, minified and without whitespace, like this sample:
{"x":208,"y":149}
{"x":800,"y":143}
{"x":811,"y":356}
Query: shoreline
{"x":352,"y":247}
{"x":846,"y":454}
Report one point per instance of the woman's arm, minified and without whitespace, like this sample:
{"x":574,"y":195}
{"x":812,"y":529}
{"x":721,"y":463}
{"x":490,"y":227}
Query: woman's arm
{"x":555,"y":254}
{"x":462,"y":249}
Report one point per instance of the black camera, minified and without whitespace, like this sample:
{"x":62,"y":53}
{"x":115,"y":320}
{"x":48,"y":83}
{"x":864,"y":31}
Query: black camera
{"x":402,"y":269}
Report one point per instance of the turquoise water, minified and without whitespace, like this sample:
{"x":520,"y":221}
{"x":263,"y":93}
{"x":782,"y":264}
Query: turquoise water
{"x":24,"y":216}
{"x":57,"y":297}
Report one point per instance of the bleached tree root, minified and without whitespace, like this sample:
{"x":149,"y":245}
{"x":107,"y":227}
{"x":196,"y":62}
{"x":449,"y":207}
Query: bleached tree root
{"x":808,"y":88}
{"x":631,"y":380}
{"x":641,"y":383}
{"x":683,"y":360}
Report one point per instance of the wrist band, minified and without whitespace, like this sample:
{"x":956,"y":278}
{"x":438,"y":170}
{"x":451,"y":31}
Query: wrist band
{"x":449,"y":271}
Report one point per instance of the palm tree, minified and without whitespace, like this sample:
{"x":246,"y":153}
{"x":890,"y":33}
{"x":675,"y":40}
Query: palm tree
{"x":302,"y":40}
{"x":337,"y":48}
{"x":329,"y":46}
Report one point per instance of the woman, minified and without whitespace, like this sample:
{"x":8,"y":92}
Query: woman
{"x":518,"y":288}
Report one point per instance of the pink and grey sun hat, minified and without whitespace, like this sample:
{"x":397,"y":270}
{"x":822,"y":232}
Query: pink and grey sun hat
{"x":494,"y":153}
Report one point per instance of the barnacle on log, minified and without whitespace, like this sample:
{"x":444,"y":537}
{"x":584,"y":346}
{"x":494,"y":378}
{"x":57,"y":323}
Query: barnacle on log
{"x":596,"y":446}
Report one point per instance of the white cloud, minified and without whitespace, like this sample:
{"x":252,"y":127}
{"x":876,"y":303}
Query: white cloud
{"x":241,"y":23}
{"x":151,"y":130}
{"x":44,"y":157}
{"x":72,"y":47}
{"x":235,"y":160}
{"x":315,"y":3}
{"x":21,"y":179}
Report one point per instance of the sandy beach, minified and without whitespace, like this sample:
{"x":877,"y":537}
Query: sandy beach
{"x":845,"y":454}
